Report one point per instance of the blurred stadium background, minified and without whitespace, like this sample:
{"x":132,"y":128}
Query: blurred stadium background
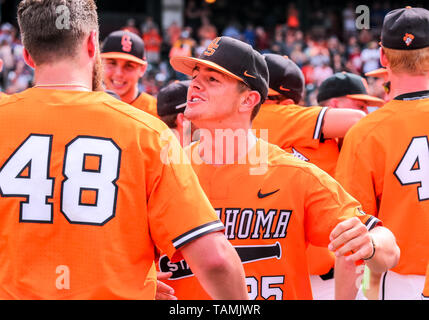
{"x":319,"y":35}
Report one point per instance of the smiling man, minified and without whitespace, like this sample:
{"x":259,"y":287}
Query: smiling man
{"x":270,"y":216}
{"x":124,"y":64}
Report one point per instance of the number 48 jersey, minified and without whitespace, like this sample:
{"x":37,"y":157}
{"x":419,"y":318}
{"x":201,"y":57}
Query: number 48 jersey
{"x":384,"y":164}
{"x":85,"y":197}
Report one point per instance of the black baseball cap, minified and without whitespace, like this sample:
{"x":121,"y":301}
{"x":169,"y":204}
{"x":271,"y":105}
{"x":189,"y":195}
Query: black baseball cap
{"x":172,"y":98}
{"x":286,"y":78}
{"x":125,"y":45}
{"x":406,"y":29}
{"x":345,"y":84}
{"x":232,"y":57}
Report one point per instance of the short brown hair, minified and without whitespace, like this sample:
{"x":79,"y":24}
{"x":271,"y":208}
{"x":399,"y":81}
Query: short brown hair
{"x":408,"y":61}
{"x":46,"y":35}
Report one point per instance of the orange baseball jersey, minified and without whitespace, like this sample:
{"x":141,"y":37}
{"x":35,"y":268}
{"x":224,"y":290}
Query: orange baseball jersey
{"x":271,"y":211}
{"x":298,"y":130}
{"x":147,"y":103}
{"x":384,"y":163}
{"x":85,"y":197}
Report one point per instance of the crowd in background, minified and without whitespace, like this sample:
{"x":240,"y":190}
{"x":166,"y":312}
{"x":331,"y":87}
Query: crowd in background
{"x":332,"y":44}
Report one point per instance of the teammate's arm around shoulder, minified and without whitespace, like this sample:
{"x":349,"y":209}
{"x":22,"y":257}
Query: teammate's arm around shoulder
{"x":216,"y":264}
{"x":377,"y":247}
{"x":337,"y":121}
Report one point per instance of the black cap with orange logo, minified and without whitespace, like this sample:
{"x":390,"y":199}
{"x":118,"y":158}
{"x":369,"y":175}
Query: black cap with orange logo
{"x":406,"y":29}
{"x":124,"y":45}
{"x":232,"y":57}
{"x":286,"y":78}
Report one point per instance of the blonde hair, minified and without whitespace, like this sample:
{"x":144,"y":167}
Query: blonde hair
{"x":44,"y":37}
{"x":408,"y":61}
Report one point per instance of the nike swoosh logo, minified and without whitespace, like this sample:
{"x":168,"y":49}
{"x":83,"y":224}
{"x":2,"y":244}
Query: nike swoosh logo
{"x":285,"y":89}
{"x":249,"y":75}
{"x":263,"y":195}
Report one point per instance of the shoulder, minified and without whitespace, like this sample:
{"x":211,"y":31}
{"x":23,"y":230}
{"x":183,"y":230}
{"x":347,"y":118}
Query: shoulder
{"x":372,"y":123}
{"x":136,"y":115}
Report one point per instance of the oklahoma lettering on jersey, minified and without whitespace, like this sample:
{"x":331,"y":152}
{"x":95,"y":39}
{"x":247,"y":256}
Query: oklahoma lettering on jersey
{"x":147,"y":103}
{"x":270,"y":219}
{"x":85,"y":198}
{"x":384,"y":163}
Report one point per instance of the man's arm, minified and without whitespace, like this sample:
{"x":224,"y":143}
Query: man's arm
{"x":377,"y":247}
{"x":216,"y":264}
{"x":338,"y":121}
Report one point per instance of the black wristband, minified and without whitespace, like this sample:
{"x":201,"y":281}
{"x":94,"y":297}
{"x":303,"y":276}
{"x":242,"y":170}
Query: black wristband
{"x":373,"y":247}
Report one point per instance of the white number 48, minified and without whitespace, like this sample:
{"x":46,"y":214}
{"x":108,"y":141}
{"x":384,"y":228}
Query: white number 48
{"x":414,"y":167}
{"x":33,"y":156}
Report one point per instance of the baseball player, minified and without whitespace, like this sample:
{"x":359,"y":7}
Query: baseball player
{"x":347,"y":90}
{"x":272,"y":204}
{"x":383,"y":75}
{"x":308,"y":133}
{"x":124,"y":63}
{"x":384,"y":159}
{"x":171,"y":104}
{"x":85,"y":196}
{"x":301,"y":130}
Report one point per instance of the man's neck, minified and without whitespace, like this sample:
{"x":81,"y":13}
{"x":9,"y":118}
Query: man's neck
{"x":131,"y":95}
{"x":225,"y":146}
{"x":406,"y":83}
{"x":64,"y":76}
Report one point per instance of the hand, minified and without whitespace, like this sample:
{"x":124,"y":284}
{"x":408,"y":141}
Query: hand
{"x":351,"y":235}
{"x":164,"y":291}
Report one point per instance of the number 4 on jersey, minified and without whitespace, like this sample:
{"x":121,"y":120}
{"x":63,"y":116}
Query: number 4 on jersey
{"x":414,"y":167}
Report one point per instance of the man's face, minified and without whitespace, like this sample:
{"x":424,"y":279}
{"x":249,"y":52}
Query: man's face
{"x":348,"y":103}
{"x":121,"y":76}
{"x":212,"y":97}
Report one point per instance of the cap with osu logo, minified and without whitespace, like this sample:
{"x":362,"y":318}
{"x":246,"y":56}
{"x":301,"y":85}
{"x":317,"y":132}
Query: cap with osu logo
{"x":123,"y":45}
{"x":232,"y":57}
{"x":406,"y":29}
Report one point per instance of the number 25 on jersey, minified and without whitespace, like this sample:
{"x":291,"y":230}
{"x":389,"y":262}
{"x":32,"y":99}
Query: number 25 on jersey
{"x":33,"y":157}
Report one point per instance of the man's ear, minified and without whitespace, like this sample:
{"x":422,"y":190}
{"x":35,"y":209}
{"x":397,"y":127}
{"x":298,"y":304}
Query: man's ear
{"x":27,"y":58}
{"x":249,"y":100}
{"x":179,"y":120}
{"x":92,"y":44}
{"x":383,"y":58}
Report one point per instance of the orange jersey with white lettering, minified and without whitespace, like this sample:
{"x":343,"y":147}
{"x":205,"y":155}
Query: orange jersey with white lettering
{"x":298,"y":130}
{"x":384,"y":163}
{"x":147,"y":103}
{"x":271,"y":210}
{"x":85,"y":197}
